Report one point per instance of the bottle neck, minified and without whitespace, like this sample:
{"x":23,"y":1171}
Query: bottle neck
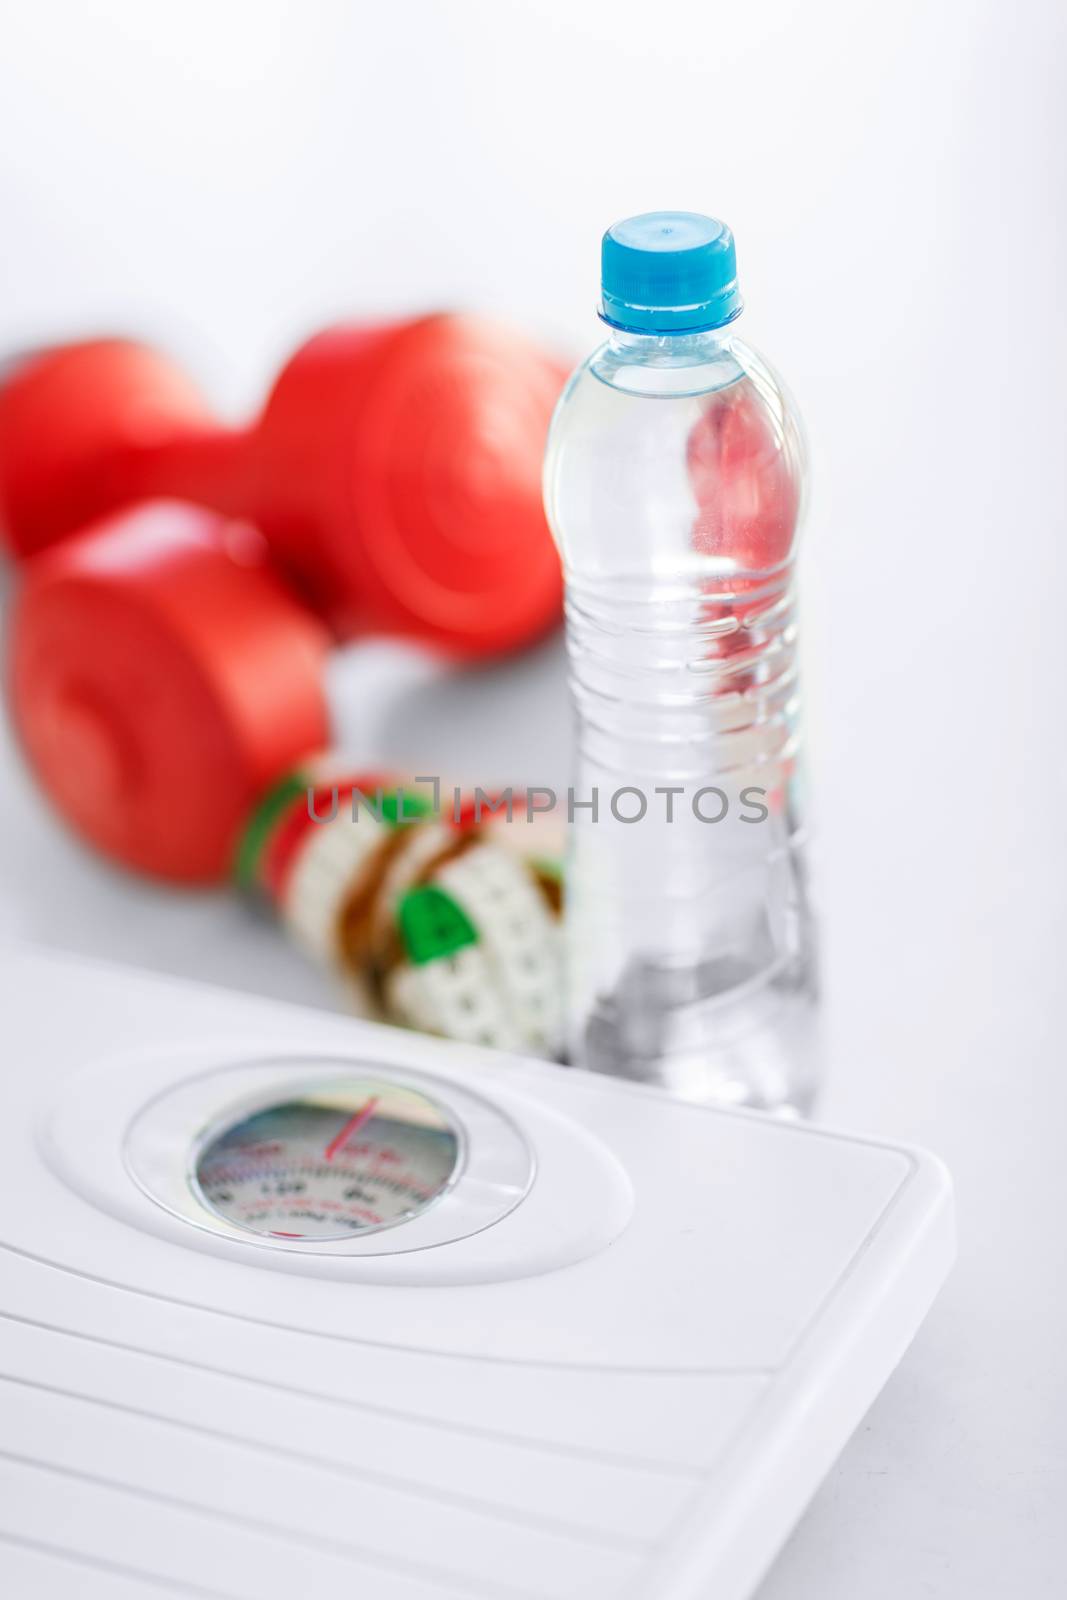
{"x":670,"y":349}
{"x":668,"y":364}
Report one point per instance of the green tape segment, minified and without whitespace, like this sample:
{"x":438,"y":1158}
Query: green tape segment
{"x":433,"y":925}
{"x":260,"y":825}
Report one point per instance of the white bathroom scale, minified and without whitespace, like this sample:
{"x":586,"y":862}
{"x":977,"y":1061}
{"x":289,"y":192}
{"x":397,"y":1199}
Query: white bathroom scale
{"x":293,"y":1305}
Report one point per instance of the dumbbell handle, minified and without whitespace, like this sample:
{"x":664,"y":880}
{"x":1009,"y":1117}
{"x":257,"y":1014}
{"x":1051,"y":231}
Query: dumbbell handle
{"x":210,"y":467}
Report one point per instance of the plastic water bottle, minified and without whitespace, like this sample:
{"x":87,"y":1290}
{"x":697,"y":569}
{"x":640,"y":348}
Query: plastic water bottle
{"x":674,"y":489}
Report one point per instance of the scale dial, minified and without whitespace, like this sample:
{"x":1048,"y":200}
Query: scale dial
{"x":203,"y":1149}
{"x":339,"y":1161}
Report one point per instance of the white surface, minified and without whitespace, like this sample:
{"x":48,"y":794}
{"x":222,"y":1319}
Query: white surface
{"x":758,"y":1285}
{"x":895,"y":179}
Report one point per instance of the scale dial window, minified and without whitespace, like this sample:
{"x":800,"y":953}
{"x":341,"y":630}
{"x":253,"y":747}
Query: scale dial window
{"x":316,"y":1157}
{"x":338,"y":1163}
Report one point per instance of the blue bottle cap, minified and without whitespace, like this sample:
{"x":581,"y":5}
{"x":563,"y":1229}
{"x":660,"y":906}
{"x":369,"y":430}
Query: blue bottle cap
{"x":669,"y":272}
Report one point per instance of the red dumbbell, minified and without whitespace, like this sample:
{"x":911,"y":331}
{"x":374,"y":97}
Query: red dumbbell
{"x":160,"y":677}
{"x":394,"y":472}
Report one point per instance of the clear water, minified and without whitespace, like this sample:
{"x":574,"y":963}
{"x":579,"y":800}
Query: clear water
{"x":674,"y":487}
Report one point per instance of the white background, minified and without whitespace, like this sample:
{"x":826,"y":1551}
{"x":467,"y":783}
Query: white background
{"x":225,"y":176}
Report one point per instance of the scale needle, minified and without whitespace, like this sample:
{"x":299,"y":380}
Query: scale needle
{"x":353,"y":1125}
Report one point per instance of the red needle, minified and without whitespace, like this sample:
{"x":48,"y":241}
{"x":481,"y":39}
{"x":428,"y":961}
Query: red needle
{"x":353,"y":1125}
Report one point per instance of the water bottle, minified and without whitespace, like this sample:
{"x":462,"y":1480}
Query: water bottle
{"x":674,"y":486}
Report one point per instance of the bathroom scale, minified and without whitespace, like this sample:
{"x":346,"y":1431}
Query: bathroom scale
{"x":293,"y":1304}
